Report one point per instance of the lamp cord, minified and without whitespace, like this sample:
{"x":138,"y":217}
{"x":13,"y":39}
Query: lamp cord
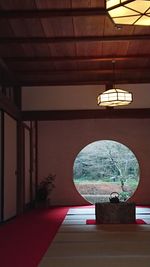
{"x":114,"y":75}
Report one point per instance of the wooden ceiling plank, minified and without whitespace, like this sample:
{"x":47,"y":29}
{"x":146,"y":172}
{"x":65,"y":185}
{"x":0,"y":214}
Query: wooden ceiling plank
{"x":47,"y":54}
{"x":87,"y":48}
{"x":17,"y":4}
{"x":51,"y":4}
{"x":30,"y":28}
{"x":44,"y":30}
{"x":68,"y":49}
{"x":57,"y":27}
{"x":88,"y":3}
{"x":89,"y":26}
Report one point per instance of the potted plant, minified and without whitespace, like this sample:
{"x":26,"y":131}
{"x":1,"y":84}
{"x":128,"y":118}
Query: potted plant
{"x":44,"y":190}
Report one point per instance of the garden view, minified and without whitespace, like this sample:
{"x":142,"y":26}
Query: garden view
{"x":103,"y":167}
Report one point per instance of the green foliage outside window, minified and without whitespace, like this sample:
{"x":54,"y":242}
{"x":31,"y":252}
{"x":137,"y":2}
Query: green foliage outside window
{"x":106,"y":163}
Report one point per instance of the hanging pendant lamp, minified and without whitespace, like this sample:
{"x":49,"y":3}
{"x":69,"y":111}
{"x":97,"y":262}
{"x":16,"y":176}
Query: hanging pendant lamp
{"x":129,"y":12}
{"x":114,"y":96}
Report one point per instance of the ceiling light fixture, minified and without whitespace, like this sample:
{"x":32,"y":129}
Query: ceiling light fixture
{"x":129,"y":12}
{"x":114,"y":96}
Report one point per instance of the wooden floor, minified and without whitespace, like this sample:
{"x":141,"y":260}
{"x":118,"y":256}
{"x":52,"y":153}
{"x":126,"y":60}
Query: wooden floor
{"x":77,"y":244}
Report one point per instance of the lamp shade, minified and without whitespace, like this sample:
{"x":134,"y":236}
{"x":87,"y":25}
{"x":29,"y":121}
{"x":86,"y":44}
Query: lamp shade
{"x":129,"y":12}
{"x":114,"y":97}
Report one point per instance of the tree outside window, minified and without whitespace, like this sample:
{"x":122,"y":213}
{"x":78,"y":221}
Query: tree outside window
{"x":103,"y":167}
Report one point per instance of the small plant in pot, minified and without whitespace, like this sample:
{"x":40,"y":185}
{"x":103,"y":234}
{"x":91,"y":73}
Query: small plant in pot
{"x":44,"y":189}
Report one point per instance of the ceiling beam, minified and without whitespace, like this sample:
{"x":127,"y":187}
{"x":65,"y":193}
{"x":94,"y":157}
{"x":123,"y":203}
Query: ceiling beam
{"x":84,"y":71}
{"x":48,"y":13}
{"x":33,"y":81}
{"x":69,"y":39}
{"x":75,"y":58}
{"x":86,"y":114}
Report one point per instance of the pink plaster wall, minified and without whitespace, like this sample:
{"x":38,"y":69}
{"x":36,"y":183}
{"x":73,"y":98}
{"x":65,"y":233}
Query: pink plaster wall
{"x":59,"y":142}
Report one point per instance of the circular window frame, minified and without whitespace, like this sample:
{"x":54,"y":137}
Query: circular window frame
{"x":129,"y":190}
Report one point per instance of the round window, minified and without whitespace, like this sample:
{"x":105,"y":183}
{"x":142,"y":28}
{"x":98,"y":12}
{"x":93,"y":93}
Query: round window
{"x":103,"y":167}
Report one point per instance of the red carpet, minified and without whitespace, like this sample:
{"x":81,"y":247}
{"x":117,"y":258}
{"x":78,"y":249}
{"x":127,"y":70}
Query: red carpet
{"x":24,"y":240}
{"x":138,"y":221}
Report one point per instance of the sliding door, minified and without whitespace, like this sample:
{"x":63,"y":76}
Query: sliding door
{"x":27,"y":175}
{"x":10,"y":168}
{"x":1,"y":194}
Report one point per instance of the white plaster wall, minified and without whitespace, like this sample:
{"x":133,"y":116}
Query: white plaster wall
{"x":141,"y":95}
{"x":59,"y":142}
{"x":60,"y":97}
{"x":78,"y":97}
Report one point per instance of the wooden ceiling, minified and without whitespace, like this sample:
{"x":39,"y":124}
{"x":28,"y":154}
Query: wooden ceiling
{"x":66,"y":42}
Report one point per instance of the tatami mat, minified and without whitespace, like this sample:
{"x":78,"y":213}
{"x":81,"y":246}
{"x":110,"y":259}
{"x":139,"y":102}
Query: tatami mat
{"x":99,"y":236}
{"x":80,"y":216}
{"x":76,"y":211}
{"x":115,"y":245}
{"x":129,"y":261}
{"x":99,"y":248}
